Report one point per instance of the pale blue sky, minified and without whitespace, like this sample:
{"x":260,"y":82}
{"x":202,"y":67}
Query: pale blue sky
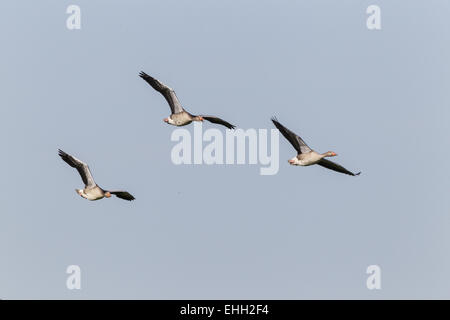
{"x":379,"y":99}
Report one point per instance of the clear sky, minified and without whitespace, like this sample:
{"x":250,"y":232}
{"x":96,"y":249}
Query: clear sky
{"x":379,"y":99}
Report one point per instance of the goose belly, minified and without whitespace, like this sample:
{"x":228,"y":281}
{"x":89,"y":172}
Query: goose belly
{"x":180,"y":119}
{"x":94,"y":194}
{"x":181,"y":124}
{"x":308,"y":162}
{"x":309,"y":159}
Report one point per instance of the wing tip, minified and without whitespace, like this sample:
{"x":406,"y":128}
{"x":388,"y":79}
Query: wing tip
{"x":62,"y":153}
{"x":143,"y":75}
{"x":124,"y":195}
{"x":275,"y":121}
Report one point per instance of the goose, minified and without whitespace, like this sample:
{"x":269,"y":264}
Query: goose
{"x":91,"y":190}
{"x":179,"y":116}
{"x":305,"y":155}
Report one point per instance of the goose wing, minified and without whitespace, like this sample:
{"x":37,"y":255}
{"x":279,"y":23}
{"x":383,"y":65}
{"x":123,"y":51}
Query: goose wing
{"x":123,"y":195}
{"x":336,"y":167}
{"x":81,"y":167}
{"x":294,"y":139}
{"x":218,"y":121}
{"x":167,"y":92}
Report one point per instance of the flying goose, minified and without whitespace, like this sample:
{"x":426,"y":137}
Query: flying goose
{"x":91,"y":190}
{"x":305,"y":155}
{"x":179,"y":116}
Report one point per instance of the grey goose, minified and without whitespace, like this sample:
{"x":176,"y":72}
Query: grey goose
{"x":91,"y":190}
{"x":306,"y":156}
{"x":179,"y":116}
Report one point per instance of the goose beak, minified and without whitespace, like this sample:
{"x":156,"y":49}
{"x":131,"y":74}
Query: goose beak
{"x":200,"y":118}
{"x":291,"y":161}
{"x":166,"y":120}
{"x":108,"y":195}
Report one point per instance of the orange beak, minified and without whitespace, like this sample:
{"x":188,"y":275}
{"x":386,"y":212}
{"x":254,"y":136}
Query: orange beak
{"x":291,"y":161}
{"x":108,"y":195}
{"x":166,"y":120}
{"x":201,"y":118}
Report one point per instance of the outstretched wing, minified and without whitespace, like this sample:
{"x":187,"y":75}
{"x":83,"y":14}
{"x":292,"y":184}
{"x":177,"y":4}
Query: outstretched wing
{"x":219,"y":121}
{"x":167,"y":92}
{"x":123,"y":195}
{"x":81,"y":167}
{"x":336,"y":167}
{"x":294,"y":139}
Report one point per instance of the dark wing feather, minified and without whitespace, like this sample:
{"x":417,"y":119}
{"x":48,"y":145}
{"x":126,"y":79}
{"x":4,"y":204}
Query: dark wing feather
{"x":336,"y":167}
{"x":167,"y":92}
{"x":123,"y":195}
{"x":219,"y":121}
{"x":82,"y":168}
{"x":294,"y":139}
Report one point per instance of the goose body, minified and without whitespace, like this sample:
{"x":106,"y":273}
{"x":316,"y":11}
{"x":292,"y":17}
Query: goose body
{"x":308,"y":159}
{"x":91,"y":190}
{"x":180,"y":119}
{"x":179,"y":116}
{"x":95,"y":193}
{"x":306,"y":156}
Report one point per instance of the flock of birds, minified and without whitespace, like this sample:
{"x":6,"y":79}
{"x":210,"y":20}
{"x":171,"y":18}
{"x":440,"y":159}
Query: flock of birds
{"x":180,"y":117}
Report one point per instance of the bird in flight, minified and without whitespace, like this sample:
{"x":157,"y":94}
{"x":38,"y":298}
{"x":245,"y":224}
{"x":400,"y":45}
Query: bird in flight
{"x":305,"y":155}
{"x":91,"y":190}
{"x":179,"y":116}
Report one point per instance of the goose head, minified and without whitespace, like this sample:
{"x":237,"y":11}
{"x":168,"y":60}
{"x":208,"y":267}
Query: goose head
{"x":81,"y":193}
{"x":330,"y":154}
{"x":168,"y":120}
{"x":294,"y":161}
